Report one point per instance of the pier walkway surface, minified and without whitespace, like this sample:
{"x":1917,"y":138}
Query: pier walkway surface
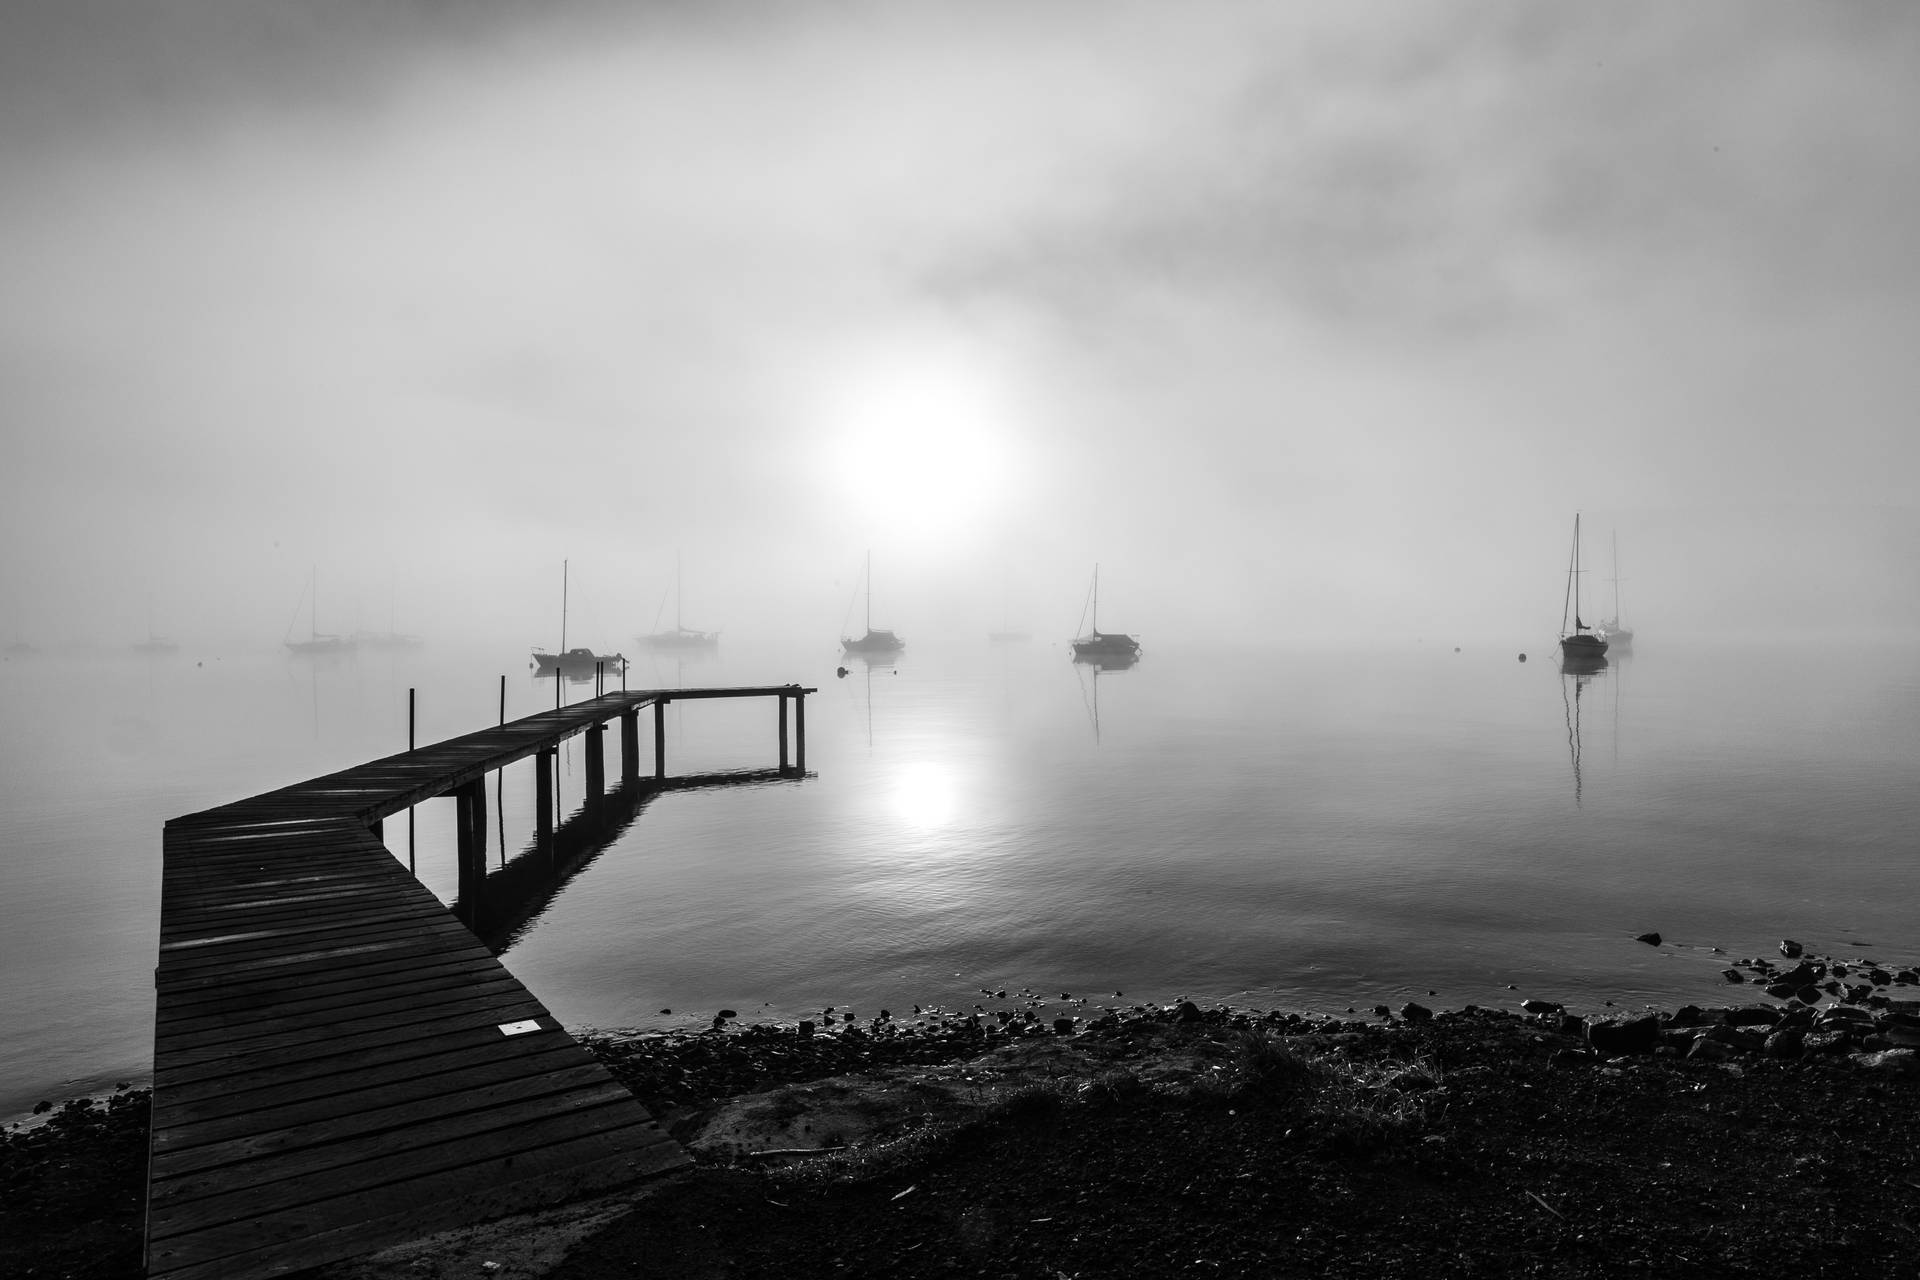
{"x":339,"y":1064}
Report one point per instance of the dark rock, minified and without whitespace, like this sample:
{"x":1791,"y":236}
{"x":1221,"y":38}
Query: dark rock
{"x":1186,"y":1011}
{"x":1541,"y":1006}
{"x":1906,"y":978}
{"x":1416,"y":1012}
{"x":1063,"y":1026}
{"x":1879,"y":977}
{"x":1732,"y":975}
{"x":1826,"y":1041}
{"x":1788,"y":1042}
{"x":1803,"y":974}
{"x":1708,"y":1049}
{"x":1735,"y":1038}
{"x":1903,"y":1061}
{"x":1808,"y":995}
{"x":1614,"y":1036}
{"x":804,"y":1030}
{"x":1791,"y":949}
{"x":1572,"y":1025}
{"x":1781,"y":990}
{"x":726,"y":1013}
{"x":1751,"y":1015}
{"x":1651,"y":939}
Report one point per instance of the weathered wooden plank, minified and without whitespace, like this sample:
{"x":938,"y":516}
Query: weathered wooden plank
{"x":323,"y":982}
{"x":340,"y":1098}
{"x":251,"y":1014}
{"x":392,"y":1214}
{"x":363,"y":1065}
{"x":516,"y":1122}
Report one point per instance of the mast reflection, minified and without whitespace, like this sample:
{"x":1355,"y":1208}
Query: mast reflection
{"x":1575,"y":675}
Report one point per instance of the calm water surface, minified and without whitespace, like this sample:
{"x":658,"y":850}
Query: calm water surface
{"x":1308,"y":830}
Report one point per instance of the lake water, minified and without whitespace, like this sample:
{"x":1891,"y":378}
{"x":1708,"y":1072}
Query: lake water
{"x":1307,"y":830}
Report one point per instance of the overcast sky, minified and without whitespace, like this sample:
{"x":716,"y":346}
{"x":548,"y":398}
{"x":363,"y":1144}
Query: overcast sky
{"x":1316,"y":318}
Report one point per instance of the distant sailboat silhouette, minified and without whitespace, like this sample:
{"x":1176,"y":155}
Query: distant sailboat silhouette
{"x":1109,"y":648}
{"x":873,"y":641}
{"x":1583,"y":645}
{"x":578,"y":663}
{"x":317,"y":643}
{"x":1617,"y":632}
{"x":681,"y":637}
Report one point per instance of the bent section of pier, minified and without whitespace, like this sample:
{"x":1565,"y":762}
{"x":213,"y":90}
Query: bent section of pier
{"x":339,"y":1064}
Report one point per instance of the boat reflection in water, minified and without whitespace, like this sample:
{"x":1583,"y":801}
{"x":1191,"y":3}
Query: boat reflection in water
{"x":1576,"y":673}
{"x":1098,"y":664}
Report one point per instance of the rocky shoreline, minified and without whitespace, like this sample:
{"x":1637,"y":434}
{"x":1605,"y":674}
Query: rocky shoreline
{"x":1775,"y":1133}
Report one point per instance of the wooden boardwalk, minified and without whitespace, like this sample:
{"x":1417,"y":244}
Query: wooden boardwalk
{"x":339,"y":1065}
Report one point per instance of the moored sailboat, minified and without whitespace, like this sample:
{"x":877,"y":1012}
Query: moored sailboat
{"x":682,"y":636}
{"x":318,"y":643}
{"x":1618,"y":634}
{"x":873,"y":641}
{"x":577,"y":662}
{"x":1108,"y":648}
{"x":1584,"y":645}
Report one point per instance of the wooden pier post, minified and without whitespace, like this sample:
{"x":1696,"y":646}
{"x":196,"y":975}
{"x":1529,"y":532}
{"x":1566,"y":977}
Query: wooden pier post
{"x":630,"y":745}
{"x":596,"y":766}
{"x":544,"y":764}
{"x":800,"y":730}
{"x":783,"y":732}
{"x":660,"y":738}
{"x":470,"y":828}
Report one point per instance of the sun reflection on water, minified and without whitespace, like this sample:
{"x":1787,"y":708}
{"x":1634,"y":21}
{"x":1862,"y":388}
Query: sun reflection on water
{"x":925,"y":796}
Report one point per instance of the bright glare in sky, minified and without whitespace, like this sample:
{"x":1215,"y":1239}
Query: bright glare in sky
{"x":921,"y":445}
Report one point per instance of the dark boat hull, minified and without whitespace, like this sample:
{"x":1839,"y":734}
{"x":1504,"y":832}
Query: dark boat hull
{"x":873,"y":642}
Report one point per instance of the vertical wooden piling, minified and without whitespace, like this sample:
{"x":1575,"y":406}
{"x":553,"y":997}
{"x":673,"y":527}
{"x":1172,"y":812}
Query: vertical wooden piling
{"x":629,"y":744}
{"x":596,"y":766}
{"x":800,"y":730}
{"x":783,"y":732}
{"x":410,"y":720}
{"x":470,"y":830}
{"x":660,"y":738}
{"x":543,"y":799}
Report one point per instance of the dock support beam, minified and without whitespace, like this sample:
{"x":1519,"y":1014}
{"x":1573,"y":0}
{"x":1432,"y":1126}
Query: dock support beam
{"x":543,"y":799}
{"x":660,"y":738}
{"x":800,"y":732}
{"x":630,"y":745}
{"x":596,"y":766}
{"x":783,"y":732}
{"x":470,"y":826}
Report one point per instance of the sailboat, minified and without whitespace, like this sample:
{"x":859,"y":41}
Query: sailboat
{"x":1619,"y":635}
{"x":154,"y":645}
{"x":1583,"y":645}
{"x":873,"y":641}
{"x":1107,"y":648}
{"x":681,"y":637}
{"x":318,"y":643}
{"x":577,"y":663}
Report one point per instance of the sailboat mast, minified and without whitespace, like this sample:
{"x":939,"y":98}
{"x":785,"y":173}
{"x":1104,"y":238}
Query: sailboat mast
{"x":1577,"y":624}
{"x":869,"y":592}
{"x":1616,"y":578}
{"x":563,"y":606}
{"x":677,"y":626}
{"x":1096,"y":604}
